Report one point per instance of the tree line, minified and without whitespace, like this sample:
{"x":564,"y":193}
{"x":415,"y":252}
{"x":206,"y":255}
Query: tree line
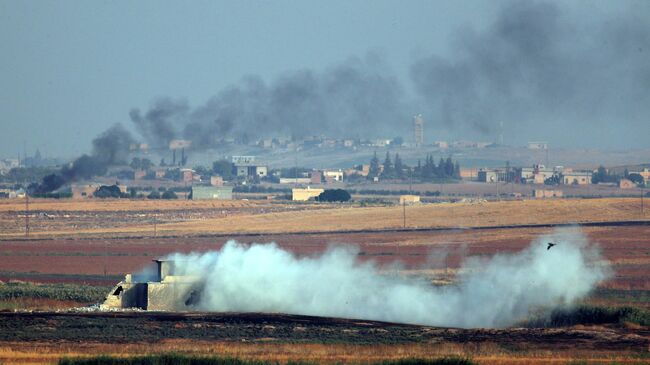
{"x":395,"y":168}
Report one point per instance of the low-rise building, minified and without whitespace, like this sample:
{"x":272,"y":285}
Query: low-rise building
{"x":216,"y":180}
{"x":645,"y":174}
{"x":333,"y":175}
{"x":299,"y":194}
{"x":626,"y":184}
{"x":211,"y":192}
{"x":409,"y":199}
{"x":295,"y":180}
{"x":576,"y":178}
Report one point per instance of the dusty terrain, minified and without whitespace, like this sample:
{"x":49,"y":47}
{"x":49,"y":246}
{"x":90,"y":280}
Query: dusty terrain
{"x":39,"y":338}
{"x":146,"y":218}
{"x":101,"y":241}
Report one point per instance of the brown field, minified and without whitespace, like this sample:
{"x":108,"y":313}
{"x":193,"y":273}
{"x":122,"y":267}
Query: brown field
{"x":96,"y":242}
{"x":136,"y":218}
{"x":44,"y":337}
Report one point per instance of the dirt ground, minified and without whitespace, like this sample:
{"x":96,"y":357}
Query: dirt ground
{"x":145,"y":218}
{"x":41,"y":337}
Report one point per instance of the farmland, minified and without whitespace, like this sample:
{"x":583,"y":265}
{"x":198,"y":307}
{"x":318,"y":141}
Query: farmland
{"x":95,"y":243}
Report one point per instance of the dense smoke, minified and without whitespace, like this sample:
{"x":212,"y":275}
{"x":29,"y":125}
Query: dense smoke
{"x":109,"y":148}
{"x":494,"y":293}
{"x":538,"y":65}
{"x":357,"y":97}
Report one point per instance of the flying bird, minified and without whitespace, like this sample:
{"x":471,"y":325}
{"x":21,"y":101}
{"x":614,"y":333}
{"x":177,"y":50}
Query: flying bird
{"x":550,"y":244}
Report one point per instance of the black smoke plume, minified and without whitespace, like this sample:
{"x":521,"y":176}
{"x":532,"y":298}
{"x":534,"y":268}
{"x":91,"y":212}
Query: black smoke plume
{"x":539,"y":66}
{"x":357,"y":97}
{"x":109,"y":148}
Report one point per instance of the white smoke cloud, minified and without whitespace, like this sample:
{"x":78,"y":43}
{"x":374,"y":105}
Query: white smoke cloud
{"x":494,"y":292}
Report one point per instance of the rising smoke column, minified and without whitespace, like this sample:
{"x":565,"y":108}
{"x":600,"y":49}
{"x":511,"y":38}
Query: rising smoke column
{"x":540,"y":66}
{"x":356,"y":97}
{"x":495,"y":292}
{"x":109,"y":148}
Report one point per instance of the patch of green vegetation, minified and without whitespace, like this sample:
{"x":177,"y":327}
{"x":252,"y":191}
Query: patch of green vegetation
{"x":72,"y":292}
{"x":588,"y":314}
{"x":177,"y":359}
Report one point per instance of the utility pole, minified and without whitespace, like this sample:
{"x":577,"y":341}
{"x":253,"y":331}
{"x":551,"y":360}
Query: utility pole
{"x":26,"y":215}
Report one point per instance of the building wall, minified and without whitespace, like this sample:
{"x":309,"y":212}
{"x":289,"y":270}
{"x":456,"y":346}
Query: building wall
{"x":409,"y":199}
{"x":576,"y":178}
{"x":211,"y":192}
{"x":305,"y":194}
{"x":538,"y":193}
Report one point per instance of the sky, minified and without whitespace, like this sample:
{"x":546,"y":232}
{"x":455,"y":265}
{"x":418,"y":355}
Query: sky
{"x":71,"y":69}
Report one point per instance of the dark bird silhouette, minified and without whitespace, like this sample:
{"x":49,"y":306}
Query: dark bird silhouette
{"x":550,"y":244}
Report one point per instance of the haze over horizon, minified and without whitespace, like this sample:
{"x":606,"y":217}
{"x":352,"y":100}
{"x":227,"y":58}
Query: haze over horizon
{"x":574,"y":74}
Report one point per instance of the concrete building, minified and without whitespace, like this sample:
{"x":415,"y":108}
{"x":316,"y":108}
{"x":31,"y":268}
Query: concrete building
{"x":409,"y":199}
{"x":216,"y":180}
{"x":537,"y":145}
{"x":305,"y":194}
{"x":166,"y":291}
{"x":626,"y":184}
{"x":539,"y":173}
{"x":294,"y":180}
{"x":211,"y":192}
{"x":187,"y":175}
{"x":418,"y":130}
{"x":316,"y":177}
{"x":576,"y":178}
{"x":333,"y":175}
{"x":248,"y":167}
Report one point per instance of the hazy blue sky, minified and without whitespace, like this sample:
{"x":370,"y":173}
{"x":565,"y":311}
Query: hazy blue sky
{"x":70,"y":69}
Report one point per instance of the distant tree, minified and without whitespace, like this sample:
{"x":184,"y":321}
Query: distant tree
{"x":553,"y":180}
{"x":169,"y":195}
{"x":636,"y":178}
{"x":399,"y":167}
{"x":334,"y":195}
{"x":108,"y":191}
{"x":388,"y":172}
{"x":457,"y":170}
{"x":154,"y":195}
{"x":203,"y":171}
{"x":449,"y":167}
{"x":162,"y":163}
{"x":397,"y":141}
{"x":374,"y":167}
{"x":626,"y":173}
{"x":223,"y":168}
{"x":600,"y":175}
{"x":173,"y":174}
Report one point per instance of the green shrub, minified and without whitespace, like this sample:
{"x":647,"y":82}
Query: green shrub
{"x":587,"y":314}
{"x":72,"y":292}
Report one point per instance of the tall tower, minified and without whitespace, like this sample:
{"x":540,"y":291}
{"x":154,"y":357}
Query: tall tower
{"x":418,"y":130}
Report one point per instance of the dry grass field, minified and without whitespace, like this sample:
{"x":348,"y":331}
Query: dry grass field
{"x":206,"y":217}
{"x":95,"y":242}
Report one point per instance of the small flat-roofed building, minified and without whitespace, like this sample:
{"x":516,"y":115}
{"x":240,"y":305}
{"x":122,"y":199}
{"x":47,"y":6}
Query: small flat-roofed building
{"x":298,"y":194}
{"x":211,"y":192}
{"x":409,"y":199}
{"x":576,"y":178}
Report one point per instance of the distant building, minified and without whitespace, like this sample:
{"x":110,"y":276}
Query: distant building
{"x":537,"y":145}
{"x":418,"y":130}
{"x":295,"y":180}
{"x":626,"y":184}
{"x":187,"y":175}
{"x":305,"y":194}
{"x":316,"y":177}
{"x":443,"y":145}
{"x":247,"y":166}
{"x":409,"y":199}
{"x":576,"y":178}
{"x":139,"y":174}
{"x":211,"y":192}
{"x":333,"y":175}
{"x":216,"y":180}
{"x":8,"y":164}
{"x":540,"y":193}
{"x":539,"y":173}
